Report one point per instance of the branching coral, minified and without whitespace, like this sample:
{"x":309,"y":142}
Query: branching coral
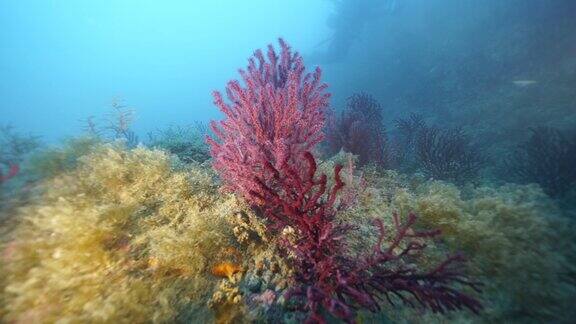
{"x":359,"y":129}
{"x":447,"y":154}
{"x":14,"y":146}
{"x":547,"y":158}
{"x":119,"y":123}
{"x":274,"y":118}
{"x":329,"y":279}
{"x":408,"y":129}
{"x":264,"y":155}
{"x":15,"y":150}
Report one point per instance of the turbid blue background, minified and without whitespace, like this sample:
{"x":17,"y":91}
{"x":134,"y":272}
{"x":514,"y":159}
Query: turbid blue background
{"x":454,"y":61}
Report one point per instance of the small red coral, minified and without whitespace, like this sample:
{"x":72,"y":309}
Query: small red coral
{"x":359,"y":129}
{"x":12,"y":172}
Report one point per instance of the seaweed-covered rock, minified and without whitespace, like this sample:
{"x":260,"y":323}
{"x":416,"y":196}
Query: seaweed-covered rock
{"x":514,"y":236}
{"x":123,"y":237}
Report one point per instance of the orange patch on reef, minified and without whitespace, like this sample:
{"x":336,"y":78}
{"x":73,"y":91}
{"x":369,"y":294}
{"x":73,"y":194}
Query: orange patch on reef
{"x":225,"y":269}
{"x":153,"y":263}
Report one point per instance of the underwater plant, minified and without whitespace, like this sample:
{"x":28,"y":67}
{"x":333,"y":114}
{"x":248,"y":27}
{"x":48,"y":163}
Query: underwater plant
{"x":14,"y":146}
{"x":116,"y":125}
{"x":186,"y":142}
{"x":119,"y":122}
{"x":359,"y":129}
{"x":408,"y":129}
{"x":523,"y":248}
{"x":52,"y":161}
{"x":547,"y":158}
{"x":122,"y":237}
{"x":262,"y":152}
{"x":447,"y":154}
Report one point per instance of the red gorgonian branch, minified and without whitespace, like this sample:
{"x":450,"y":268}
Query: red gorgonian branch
{"x":330,"y":279}
{"x":12,"y":172}
{"x":262,"y":152}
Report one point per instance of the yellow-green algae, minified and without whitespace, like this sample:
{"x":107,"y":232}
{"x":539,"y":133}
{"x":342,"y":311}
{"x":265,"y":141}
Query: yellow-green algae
{"x":52,"y":161}
{"x":121,"y":238}
{"x":122,"y":235}
{"x":514,"y":236}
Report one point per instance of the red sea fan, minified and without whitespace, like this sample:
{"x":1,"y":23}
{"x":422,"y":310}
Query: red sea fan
{"x":262,"y":152}
{"x":275,"y":116}
{"x":12,"y":172}
{"x":359,"y":129}
{"x":547,"y":158}
{"x":329,"y":279}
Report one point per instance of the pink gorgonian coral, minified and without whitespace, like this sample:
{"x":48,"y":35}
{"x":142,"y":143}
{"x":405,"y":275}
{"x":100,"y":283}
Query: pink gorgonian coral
{"x":262,"y":152}
{"x":275,"y":116}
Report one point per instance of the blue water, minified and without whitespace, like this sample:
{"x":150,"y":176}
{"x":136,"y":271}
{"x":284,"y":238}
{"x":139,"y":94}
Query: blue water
{"x":62,"y":61}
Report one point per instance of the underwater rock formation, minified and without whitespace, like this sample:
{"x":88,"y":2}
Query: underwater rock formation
{"x":122,"y":237}
{"x":408,"y":129}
